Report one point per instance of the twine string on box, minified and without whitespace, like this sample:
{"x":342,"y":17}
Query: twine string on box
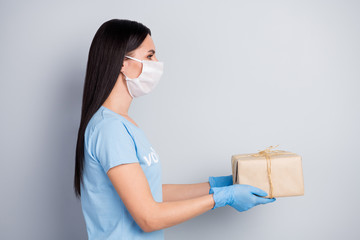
{"x":267,"y":152}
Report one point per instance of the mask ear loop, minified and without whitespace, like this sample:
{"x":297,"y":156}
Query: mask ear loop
{"x":134,"y":59}
{"x":142,"y":66}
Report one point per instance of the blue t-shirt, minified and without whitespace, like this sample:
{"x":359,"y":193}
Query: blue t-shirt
{"x":111,"y":140}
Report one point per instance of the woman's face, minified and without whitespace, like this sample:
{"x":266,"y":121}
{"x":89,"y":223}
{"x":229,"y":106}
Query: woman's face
{"x":146,"y":51}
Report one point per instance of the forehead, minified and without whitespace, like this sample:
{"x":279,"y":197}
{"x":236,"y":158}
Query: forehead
{"x":146,"y":45}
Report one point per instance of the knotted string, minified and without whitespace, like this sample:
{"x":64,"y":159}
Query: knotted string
{"x":267,"y":152}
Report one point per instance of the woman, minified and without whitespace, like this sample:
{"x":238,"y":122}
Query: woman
{"x":117,"y":172}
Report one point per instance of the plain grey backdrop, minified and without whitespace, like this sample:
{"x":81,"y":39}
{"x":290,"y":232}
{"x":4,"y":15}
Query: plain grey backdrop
{"x":239,"y":76}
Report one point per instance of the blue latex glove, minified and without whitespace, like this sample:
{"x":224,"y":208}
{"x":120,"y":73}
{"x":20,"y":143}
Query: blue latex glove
{"x":239,"y":196}
{"x":220,"y":181}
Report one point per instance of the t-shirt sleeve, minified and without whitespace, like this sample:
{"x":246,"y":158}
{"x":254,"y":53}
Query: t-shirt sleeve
{"x":113,"y":145}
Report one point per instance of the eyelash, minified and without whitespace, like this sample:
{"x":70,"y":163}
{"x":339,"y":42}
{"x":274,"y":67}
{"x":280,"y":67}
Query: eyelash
{"x":150,"y":56}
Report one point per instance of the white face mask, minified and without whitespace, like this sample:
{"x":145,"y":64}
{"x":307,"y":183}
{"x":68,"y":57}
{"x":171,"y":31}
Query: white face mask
{"x":148,"y":78}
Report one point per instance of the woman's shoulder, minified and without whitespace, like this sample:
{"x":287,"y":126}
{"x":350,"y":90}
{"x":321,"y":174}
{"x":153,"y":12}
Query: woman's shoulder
{"x":104,"y":122}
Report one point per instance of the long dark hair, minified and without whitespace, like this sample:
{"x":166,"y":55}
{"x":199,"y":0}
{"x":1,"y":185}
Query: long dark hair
{"x":112,"y":41}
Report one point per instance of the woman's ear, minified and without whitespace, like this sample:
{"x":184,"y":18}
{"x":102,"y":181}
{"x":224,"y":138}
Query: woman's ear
{"x":124,"y":65}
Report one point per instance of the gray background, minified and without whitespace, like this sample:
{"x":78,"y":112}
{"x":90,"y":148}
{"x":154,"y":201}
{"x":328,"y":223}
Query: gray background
{"x":239,"y":76}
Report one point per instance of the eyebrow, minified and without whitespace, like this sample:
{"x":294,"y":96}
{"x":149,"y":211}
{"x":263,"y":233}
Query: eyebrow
{"x":152,"y":50}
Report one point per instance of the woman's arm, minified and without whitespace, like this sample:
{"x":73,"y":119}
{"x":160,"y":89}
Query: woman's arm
{"x":167,"y":214}
{"x":175,"y":192}
{"x":133,"y":188}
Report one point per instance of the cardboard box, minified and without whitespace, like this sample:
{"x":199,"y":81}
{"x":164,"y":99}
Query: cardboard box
{"x":277,"y":172}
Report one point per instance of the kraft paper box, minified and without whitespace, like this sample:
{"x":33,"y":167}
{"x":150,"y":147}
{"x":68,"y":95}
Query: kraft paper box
{"x":277,"y":172}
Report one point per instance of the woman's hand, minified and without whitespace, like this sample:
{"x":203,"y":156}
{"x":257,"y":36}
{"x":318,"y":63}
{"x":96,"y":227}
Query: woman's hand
{"x":220,"y":181}
{"x":239,"y":196}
